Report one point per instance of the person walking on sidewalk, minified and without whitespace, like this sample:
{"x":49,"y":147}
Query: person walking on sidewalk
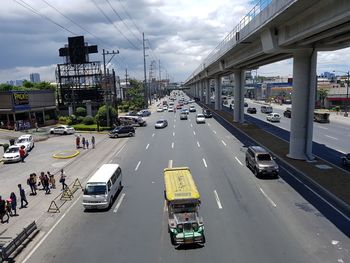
{"x":93,"y":142}
{"x":13,"y":204}
{"x":23,"y":196}
{"x":83,"y":142}
{"x":41,"y":178}
{"x":87,"y":143}
{"x":22,"y":153}
{"x":63,"y":180}
{"x":77,"y":142}
{"x":52,"y":180}
{"x":46,"y":184}
{"x":31,"y":183}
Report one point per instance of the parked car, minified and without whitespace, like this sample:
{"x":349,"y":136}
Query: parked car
{"x":161,"y":124}
{"x":259,"y":160}
{"x":131,"y":113}
{"x":266,"y":109}
{"x":200,"y":118}
{"x":192,"y":108}
{"x":144,"y":113}
{"x":12,"y":154}
{"x":122,"y":131}
{"x":207,"y":113}
{"x":183,"y":116}
{"x":346,"y":159}
{"x":273,"y":117}
{"x":288,"y":113}
{"x":251,"y":110}
{"x":25,"y":140}
{"x":62,"y":129}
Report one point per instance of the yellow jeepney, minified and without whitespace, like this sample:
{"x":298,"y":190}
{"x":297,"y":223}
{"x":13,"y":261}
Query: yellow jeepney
{"x":183,"y":201}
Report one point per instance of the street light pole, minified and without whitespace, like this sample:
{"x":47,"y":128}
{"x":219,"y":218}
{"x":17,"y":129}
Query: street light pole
{"x":107,"y":90}
{"x":347,"y":96}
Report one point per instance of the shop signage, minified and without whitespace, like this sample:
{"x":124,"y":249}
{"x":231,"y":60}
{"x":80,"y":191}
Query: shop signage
{"x":20,"y":100}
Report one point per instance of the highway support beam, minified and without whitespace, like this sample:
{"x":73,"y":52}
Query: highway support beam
{"x":218,"y":104}
{"x":303,"y":104}
{"x":201,"y":91}
{"x":207,"y":91}
{"x":238,"y":110}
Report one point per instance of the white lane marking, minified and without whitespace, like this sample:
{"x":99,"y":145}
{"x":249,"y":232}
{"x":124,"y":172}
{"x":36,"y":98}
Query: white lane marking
{"x":208,"y":124}
{"x":119,"y":150}
{"x":214,"y":131}
{"x":268,"y":198}
{"x":217,"y":199}
{"x":174,"y":120}
{"x":172,"y":145}
{"x":223,"y":142}
{"x":50,"y":231}
{"x":153,"y":135}
{"x":170,"y":164}
{"x":320,"y":127}
{"x":198,"y":144}
{"x":194,"y":133}
{"x":137,"y":166}
{"x":239,"y":161}
{"x":191,"y":125}
{"x":205,"y":163}
{"x":324,"y":200}
{"x":174,"y":125}
{"x":173,"y":133}
{"x":119,"y":203}
{"x":147,"y":146}
{"x":331,"y":137}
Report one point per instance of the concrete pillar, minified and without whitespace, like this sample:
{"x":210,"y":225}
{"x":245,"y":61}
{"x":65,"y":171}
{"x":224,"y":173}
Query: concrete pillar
{"x":202,"y":90}
{"x":303,"y":103}
{"x":217,"y":93}
{"x":207,"y":91}
{"x":88,"y":108}
{"x":238,"y":92}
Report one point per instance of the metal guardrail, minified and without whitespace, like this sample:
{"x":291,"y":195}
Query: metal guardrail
{"x":7,"y":249}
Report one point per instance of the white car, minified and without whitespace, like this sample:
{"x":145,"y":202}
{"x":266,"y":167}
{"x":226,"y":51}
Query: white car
{"x":165,"y":107}
{"x":273,"y":117}
{"x":192,"y":108}
{"x":12,"y":154}
{"x":170,"y":109}
{"x":160,"y":110}
{"x":62,"y":129}
{"x":200,"y":118}
{"x":25,"y":140}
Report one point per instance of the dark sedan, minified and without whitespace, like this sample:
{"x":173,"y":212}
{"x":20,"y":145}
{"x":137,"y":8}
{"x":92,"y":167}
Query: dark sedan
{"x":251,"y":110}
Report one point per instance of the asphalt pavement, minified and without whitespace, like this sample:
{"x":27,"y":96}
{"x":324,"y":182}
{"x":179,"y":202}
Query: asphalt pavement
{"x":246,"y":219}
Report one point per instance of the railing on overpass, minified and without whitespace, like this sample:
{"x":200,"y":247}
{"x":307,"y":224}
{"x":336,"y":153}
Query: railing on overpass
{"x":231,"y":39}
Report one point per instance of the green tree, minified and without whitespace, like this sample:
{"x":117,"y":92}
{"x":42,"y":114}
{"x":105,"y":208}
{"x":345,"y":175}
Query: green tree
{"x":5,"y":87}
{"x":101,"y":116}
{"x":135,"y":94}
{"x":81,"y":111}
{"x":27,"y":84}
{"x":322,"y":93}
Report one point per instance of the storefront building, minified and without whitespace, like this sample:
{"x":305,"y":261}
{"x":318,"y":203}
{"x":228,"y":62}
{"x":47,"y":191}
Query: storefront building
{"x":22,"y":110}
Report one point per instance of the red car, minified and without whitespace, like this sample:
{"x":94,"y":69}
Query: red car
{"x":178,"y":106}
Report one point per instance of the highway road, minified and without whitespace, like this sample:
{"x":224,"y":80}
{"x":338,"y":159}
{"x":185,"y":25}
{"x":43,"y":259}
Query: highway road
{"x":246,"y":219}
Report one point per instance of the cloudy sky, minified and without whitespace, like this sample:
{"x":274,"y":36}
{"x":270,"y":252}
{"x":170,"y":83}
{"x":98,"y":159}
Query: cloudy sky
{"x":179,"y":34}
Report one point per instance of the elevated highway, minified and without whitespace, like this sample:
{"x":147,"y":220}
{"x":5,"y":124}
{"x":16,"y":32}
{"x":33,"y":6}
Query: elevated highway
{"x":270,"y":32}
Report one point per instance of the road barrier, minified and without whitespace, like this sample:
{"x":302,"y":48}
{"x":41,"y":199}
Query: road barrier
{"x":8,"y":248}
{"x":62,"y":198}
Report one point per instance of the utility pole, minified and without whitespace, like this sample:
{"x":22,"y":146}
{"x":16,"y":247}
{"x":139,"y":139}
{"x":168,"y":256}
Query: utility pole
{"x":107,"y":87}
{"x":144,"y":70}
{"x":160,"y":80}
{"x":126,"y":82}
{"x":151,"y":78}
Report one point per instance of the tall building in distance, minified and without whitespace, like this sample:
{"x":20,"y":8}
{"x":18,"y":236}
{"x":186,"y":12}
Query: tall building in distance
{"x":34,"y":77}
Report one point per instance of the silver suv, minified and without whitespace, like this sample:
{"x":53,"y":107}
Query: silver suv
{"x":260,"y":161}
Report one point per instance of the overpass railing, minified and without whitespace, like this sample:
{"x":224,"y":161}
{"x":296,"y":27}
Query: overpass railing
{"x":231,"y":39}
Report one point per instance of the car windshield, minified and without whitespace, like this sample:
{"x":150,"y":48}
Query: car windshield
{"x":264,"y":157}
{"x":160,"y":122}
{"x":95,"y":189}
{"x":200,"y":116}
{"x":23,"y":140}
{"x":12,"y":150}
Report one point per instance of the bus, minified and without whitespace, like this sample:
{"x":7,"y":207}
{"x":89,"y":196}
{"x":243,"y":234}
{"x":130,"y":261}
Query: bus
{"x":321,"y":116}
{"x":185,"y":225}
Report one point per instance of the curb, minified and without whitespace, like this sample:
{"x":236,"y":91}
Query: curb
{"x":57,"y":156}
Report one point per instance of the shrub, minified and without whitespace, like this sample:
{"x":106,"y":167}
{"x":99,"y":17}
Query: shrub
{"x":88,"y":120}
{"x":80,"y":119}
{"x":80,"y":111}
{"x":73,"y":119}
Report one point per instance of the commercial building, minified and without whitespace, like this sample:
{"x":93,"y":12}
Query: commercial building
{"x":20,"y":110}
{"x":35,"y":77}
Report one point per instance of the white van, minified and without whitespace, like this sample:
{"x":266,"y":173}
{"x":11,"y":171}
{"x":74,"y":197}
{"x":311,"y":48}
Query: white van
{"x":102,"y":187}
{"x":266,"y":109}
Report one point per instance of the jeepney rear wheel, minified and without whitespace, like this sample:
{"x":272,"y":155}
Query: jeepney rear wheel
{"x":172,"y":239}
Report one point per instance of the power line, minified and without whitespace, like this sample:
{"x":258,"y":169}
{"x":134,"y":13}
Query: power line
{"x":121,"y":19}
{"x":33,"y":10}
{"x":127,"y":14}
{"x":112,"y":23}
{"x":72,"y":21}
